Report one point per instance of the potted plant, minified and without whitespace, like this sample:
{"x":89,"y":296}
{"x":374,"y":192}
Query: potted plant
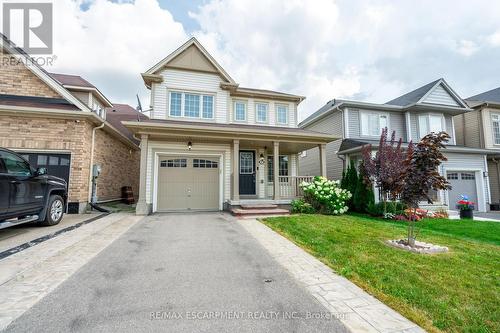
{"x":466,"y":207}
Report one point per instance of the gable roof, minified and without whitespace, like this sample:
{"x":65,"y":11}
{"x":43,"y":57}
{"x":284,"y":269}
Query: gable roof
{"x":492,"y":95}
{"x":435,"y":92}
{"x":76,"y":82}
{"x":124,"y":112}
{"x":191,"y":45}
{"x":41,"y":73}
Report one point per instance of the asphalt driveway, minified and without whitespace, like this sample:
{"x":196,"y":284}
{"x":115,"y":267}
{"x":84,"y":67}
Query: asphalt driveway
{"x":180,"y":273}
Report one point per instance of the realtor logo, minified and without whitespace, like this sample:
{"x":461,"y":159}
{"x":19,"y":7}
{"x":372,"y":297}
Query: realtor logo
{"x":29,"y":26}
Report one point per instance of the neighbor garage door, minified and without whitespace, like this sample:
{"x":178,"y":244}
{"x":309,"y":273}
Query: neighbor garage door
{"x":188,"y":183}
{"x":56,"y":164}
{"x":462,"y":183}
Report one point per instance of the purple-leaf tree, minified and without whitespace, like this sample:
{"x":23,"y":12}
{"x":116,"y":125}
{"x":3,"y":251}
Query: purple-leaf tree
{"x":387,"y":168}
{"x":422,"y":175}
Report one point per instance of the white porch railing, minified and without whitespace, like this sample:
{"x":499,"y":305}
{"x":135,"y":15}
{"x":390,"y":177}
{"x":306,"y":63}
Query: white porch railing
{"x":289,"y":186}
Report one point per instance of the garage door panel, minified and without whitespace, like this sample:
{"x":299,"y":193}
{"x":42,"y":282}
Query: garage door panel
{"x":462,"y":183}
{"x":191,"y":184}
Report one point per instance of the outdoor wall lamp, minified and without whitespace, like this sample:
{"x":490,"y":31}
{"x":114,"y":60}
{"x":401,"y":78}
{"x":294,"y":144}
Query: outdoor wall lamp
{"x":261,"y":159}
{"x":190,"y":145}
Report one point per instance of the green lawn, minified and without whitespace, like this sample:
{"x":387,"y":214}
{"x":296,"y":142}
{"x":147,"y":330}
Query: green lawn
{"x":454,"y":292}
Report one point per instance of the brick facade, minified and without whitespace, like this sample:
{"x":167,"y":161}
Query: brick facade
{"x":35,"y":134}
{"x":119,"y":162}
{"x":119,"y":166}
{"x":16,"y":79}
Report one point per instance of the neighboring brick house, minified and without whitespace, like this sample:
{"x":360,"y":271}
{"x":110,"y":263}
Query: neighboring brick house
{"x":53,"y":120}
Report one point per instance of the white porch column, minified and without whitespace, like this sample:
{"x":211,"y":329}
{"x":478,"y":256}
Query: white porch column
{"x":276,"y":168}
{"x":236,"y":170}
{"x":142,"y":207}
{"x":322,"y":159}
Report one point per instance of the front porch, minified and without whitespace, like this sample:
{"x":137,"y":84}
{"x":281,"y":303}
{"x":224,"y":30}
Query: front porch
{"x":220,"y":166}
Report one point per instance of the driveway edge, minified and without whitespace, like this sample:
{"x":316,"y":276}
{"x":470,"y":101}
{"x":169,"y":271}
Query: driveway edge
{"x":356,"y":309}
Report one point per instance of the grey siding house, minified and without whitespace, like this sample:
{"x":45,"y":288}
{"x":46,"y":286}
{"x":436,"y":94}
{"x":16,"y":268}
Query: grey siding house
{"x":430,"y":108}
{"x":480,"y":128}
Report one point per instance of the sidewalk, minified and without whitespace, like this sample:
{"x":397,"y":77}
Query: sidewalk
{"x":356,"y":309}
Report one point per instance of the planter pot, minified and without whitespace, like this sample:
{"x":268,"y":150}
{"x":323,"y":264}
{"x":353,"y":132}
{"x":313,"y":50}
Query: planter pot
{"x":466,"y":214}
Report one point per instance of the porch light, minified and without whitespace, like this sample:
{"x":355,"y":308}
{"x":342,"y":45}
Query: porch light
{"x":261,"y":159}
{"x":190,"y":145}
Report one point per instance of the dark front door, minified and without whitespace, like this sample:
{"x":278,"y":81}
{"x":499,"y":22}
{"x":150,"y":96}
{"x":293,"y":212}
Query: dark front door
{"x":247,"y":172}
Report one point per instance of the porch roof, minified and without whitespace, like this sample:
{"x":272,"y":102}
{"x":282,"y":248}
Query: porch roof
{"x":296,"y":139}
{"x":349,"y":146}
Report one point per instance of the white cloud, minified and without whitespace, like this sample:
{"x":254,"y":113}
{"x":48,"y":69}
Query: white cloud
{"x":367,"y":50}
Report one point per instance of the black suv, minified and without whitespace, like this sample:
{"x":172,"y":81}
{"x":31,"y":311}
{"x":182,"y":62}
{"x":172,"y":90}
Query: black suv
{"x":29,"y":195}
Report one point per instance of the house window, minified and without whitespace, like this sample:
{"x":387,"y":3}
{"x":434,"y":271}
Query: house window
{"x":240,"y":111}
{"x":429,"y":123}
{"x":174,"y":163}
{"x":373,"y":123}
{"x":283,"y":167}
{"x":468,"y":176}
{"x":197,"y":163}
{"x":175,"y":104}
{"x":208,"y":107}
{"x":282,"y":114}
{"x":191,"y":105}
{"x":496,"y":128}
{"x":261,"y":110}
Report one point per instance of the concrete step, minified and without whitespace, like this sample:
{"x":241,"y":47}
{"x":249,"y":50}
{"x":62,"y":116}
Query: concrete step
{"x":259,"y":212}
{"x":259,"y":206}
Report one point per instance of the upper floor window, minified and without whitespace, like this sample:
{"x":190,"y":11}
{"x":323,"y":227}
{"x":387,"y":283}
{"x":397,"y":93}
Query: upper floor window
{"x":191,"y":105}
{"x":428,"y":123}
{"x":240,"y":111}
{"x":373,"y":123}
{"x":495,"y":118}
{"x":281,"y":114}
{"x":262,"y":112}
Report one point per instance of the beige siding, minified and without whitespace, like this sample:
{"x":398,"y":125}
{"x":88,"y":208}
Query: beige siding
{"x":494,"y":175}
{"x":183,"y":80}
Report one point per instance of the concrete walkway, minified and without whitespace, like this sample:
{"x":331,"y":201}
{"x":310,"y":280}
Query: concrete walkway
{"x":357,"y":310}
{"x":179,"y":273}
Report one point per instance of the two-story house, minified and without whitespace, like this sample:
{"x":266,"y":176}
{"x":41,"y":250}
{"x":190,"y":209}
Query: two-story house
{"x":430,"y":108}
{"x":59,"y":122}
{"x":481,"y":129}
{"x":211,"y":144}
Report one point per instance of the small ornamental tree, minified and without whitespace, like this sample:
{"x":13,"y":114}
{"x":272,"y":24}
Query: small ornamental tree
{"x":387,"y":169}
{"x":351,"y":180}
{"x":422,"y":175}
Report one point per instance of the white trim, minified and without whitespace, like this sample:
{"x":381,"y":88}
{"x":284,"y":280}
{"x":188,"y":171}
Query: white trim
{"x":345,"y":114}
{"x":452,"y":129}
{"x":156,"y":162}
{"x":183,"y":93}
{"x":487,"y":178}
{"x":448,"y":89}
{"x":481,"y":204}
{"x":408,"y":126}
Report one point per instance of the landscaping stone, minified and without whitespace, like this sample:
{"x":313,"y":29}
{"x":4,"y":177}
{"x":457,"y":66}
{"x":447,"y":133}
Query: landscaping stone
{"x":420,"y":247}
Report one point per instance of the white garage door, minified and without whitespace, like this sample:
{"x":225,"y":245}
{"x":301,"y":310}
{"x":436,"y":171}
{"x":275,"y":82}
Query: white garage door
{"x":186,"y":183}
{"x":462,"y":183}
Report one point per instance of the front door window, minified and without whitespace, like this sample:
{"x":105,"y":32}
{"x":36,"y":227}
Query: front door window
{"x":246,"y":162}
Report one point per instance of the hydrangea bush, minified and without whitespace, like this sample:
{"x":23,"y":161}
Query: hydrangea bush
{"x":326,"y":196}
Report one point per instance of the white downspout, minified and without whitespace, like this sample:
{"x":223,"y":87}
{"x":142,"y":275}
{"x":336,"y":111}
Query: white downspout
{"x":92,"y":160}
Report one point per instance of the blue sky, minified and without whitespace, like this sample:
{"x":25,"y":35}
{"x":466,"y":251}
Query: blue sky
{"x":368,"y":50}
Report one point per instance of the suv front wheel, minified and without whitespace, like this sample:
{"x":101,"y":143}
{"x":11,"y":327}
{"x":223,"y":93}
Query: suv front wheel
{"x":55,"y":210}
